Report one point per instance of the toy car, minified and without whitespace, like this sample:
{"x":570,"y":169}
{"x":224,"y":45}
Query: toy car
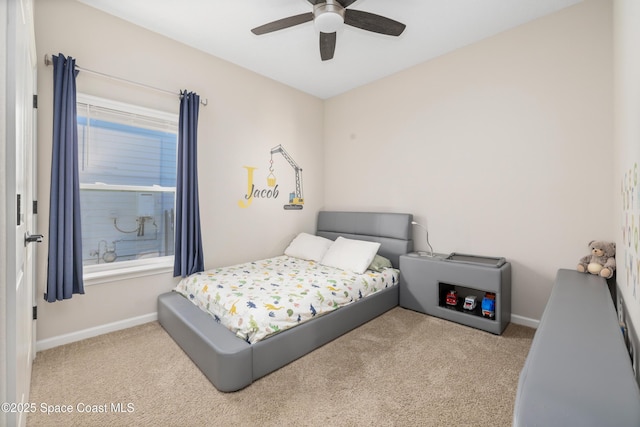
{"x":489,"y":305}
{"x":470,"y":302}
{"x":452,"y":297}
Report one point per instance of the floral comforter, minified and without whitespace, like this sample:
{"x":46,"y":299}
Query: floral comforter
{"x":258,"y":299}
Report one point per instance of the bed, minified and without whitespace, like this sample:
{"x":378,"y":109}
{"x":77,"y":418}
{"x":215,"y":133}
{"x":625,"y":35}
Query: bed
{"x":231,"y":362}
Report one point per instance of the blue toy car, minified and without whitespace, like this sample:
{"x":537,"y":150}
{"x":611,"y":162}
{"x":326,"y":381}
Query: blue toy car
{"x":489,"y":305}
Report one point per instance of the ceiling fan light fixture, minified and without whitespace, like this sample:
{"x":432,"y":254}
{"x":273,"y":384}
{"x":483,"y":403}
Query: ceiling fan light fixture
{"x":328,"y":17}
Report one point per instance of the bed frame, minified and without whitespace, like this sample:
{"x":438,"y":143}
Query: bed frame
{"x":231,"y":363}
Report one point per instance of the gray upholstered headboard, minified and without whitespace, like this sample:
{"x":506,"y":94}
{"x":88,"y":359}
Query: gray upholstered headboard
{"x":392,"y":230}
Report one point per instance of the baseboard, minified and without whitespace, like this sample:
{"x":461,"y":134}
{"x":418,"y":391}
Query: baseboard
{"x":525,"y":321}
{"x":94,"y":332}
{"x":48,"y":343}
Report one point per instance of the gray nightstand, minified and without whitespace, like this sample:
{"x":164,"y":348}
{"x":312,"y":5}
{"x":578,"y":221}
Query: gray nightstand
{"x":425,"y":282}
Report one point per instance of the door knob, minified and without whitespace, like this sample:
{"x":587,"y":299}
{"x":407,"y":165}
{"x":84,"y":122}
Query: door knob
{"x":30,"y":238}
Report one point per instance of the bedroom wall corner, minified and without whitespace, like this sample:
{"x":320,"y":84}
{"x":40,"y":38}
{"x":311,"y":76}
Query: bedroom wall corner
{"x":247,"y":115}
{"x":492,"y":146}
{"x":626,"y":188}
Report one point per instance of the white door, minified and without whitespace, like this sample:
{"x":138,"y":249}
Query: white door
{"x":20,"y":133}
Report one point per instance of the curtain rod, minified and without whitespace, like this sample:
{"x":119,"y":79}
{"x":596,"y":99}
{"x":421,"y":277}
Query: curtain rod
{"x":47,"y":62}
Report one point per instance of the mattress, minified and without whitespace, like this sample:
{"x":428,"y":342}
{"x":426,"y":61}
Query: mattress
{"x":257,"y":299}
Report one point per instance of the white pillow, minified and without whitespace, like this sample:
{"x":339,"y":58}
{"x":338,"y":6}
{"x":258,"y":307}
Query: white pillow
{"x":349,"y":254}
{"x":307,"y":246}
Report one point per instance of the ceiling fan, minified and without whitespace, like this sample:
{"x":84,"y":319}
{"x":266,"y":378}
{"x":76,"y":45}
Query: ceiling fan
{"x":329,"y":16}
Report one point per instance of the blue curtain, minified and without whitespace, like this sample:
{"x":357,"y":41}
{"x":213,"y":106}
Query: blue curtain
{"x":64,"y":271}
{"x":188,"y":241}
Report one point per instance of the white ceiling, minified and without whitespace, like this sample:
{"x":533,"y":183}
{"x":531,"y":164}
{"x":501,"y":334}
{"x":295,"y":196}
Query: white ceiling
{"x":291,"y":56}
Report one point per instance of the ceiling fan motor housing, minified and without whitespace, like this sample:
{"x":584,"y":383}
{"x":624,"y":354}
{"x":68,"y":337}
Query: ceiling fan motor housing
{"x":328,"y":17}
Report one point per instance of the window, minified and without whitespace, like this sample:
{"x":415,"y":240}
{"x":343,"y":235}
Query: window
{"x":127,"y":169}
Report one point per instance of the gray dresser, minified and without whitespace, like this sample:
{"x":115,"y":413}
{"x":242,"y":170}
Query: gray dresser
{"x":578,"y":372}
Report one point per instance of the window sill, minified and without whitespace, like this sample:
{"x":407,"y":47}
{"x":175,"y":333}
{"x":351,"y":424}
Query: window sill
{"x":106,"y":273}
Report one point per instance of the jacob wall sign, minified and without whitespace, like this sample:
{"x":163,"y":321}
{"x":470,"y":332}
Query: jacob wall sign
{"x":296,"y":200}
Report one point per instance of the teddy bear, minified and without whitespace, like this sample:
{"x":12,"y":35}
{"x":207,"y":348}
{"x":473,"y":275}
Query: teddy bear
{"x":601,"y":261}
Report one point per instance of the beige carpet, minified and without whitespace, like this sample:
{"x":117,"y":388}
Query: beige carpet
{"x":401,"y":369}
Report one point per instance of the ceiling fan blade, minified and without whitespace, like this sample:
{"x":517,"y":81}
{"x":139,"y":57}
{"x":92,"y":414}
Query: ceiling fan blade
{"x":346,"y":3}
{"x":315,"y":2}
{"x":327,"y":45}
{"x":372,"y":22}
{"x":281,"y":24}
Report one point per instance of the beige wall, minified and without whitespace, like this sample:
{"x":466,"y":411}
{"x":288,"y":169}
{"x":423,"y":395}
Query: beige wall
{"x":246,"y":116}
{"x":502,"y":147}
{"x":627,"y":149}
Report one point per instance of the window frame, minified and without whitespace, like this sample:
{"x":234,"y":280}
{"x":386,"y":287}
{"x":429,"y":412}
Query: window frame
{"x":130,"y":269}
